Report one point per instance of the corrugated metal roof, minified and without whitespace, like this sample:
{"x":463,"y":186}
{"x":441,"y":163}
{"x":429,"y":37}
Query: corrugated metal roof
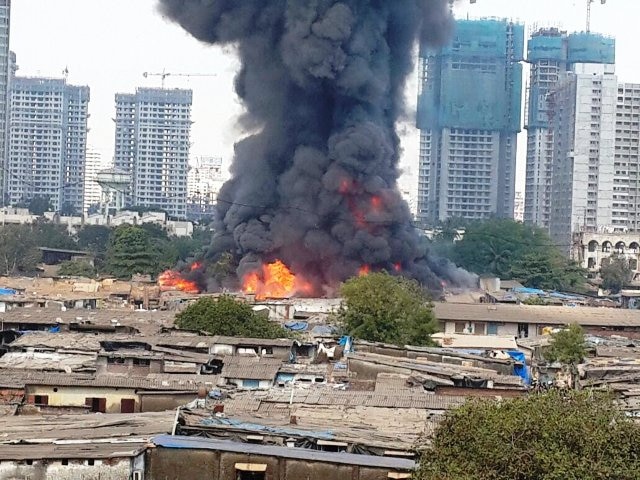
{"x":371,"y":461}
{"x":95,"y":450}
{"x":546,"y":315}
{"x":250,"y":368}
{"x":23,"y":377}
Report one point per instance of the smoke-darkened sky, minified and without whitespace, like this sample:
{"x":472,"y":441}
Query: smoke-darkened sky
{"x":107,"y":44}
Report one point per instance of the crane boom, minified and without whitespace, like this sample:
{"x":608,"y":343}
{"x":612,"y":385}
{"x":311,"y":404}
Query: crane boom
{"x":163,"y":75}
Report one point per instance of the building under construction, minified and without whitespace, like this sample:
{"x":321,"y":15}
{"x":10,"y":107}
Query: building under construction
{"x":553,"y":54}
{"x":469,"y":117}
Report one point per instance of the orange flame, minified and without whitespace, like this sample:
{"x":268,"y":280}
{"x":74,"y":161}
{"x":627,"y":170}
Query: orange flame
{"x":376,"y":203}
{"x":195,"y":266}
{"x":364,"y":271}
{"x":172,"y":280}
{"x":397,"y":267}
{"x":275,"y":280}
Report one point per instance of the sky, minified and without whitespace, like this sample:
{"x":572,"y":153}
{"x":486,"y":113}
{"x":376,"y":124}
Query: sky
{"x":109,"y":44}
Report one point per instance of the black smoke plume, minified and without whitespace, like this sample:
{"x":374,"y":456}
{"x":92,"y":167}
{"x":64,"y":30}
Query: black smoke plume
{"x":322,"y":82}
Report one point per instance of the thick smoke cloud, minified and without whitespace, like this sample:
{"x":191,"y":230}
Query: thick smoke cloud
{"x":322,"y":82}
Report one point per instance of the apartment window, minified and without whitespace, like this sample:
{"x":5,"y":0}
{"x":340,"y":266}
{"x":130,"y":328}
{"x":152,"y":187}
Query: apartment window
{"x":141,"y":362}
{"x":460,"y":327}
{"x":115,"y":361}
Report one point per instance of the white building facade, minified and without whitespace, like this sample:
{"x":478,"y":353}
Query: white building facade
{"x":5,"y":78}
{"x":92,"y":191}
{"x":47,"y":142}
{"x":204,"y":181}
{"x":152,"y":145}
{"x":583,"y":119}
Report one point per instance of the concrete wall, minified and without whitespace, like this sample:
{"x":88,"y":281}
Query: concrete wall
{"x":504,"y":329}
{"x":103,"y":366}
{"x":75,"y":396}
{"x":182,"y":464}
{"x":116,"y":469}
{"x":165,"y":401}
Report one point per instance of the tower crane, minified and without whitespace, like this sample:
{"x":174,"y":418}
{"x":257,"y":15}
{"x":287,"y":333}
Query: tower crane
{"x":163,"y":75}
{"x":589,"y":2}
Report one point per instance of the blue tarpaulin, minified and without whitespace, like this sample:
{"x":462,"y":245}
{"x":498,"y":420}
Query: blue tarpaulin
{"x":529,"y":291}
{"x":297,"y":326}
{"x":347,"y":343}
{"x":8,"y":291}
{"x":520,"y":370}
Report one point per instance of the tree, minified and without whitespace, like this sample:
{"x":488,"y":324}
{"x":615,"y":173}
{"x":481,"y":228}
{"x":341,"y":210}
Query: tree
{"x":509,"y":249}
{"x":130,"y":252}
{"x":38,"y":205}
{"x":548,"y":270}
{"x":552,"y":436}
{"x":567,"y":346}
{"x":94,"y":238}
{"x":382,"y":308}
{"x":491,"y":247}
{"x":18,"y":249}
{"x":68,"y":209}
{"x":76,"y":269}
{"x":616,"y":273}
{"x":229,"y":317}
{"x":52,"y":235}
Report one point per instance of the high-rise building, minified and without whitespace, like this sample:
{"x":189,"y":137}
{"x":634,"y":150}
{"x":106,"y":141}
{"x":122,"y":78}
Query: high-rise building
{"x":92,"y":191}
{"x":47,"y":142}
{"x":5,"y":75}
{"x":627,"y":155}
{"x":469,"y":116}
{"x":552,"y":53}
{"x":586,"y":193}
{"x":152,"y":145}
{"x":204,"y":181}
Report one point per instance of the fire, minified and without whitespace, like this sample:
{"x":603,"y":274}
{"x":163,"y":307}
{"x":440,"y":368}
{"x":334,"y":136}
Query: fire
{"x":173,"y":280}
{"x":195,"y":266}
{"x":376,"y":203}
{"x":364,"y":271}
{"x":397,"y":267}
{"x":275,"y":280}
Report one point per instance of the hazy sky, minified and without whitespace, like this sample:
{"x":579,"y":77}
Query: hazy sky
{"x":108,"y":44}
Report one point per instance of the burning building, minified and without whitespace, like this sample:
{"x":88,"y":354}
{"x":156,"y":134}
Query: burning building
{"x":313,"y":197}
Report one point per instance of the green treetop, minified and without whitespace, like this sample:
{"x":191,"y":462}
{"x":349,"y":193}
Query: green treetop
{"x":382,"y":308}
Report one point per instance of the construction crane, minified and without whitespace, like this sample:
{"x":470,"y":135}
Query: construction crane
{"x":589,"y":2}
{"x":163,"y":75}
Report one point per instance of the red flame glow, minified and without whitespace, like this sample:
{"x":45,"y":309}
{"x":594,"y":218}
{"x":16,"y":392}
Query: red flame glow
{"x":195,"y":266}
{"x":397,"y":267}
{"x":172,"y":280}
{"x":275,"y":280}
{"x":364,"y":271}
{"x":376,"y":203}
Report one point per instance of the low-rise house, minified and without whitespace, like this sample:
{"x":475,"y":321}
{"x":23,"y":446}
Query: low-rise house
{"x":183,"y":458}
{"x":252,"y":373}
{"x":526,"y":321}
{"x":79,"y":393}
{"x":255,"y":347}
{"x":117,"y":461}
